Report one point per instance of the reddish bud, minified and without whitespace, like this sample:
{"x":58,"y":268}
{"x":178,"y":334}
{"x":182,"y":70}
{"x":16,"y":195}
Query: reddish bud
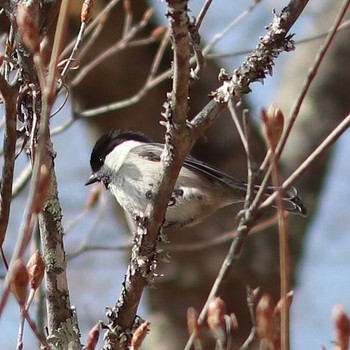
{"x":288,"y":300}
{"x":127,"y":7}
{"x":192,"y":322}
{"x":86,"y":10}
{"x":19,"y":281}
{"x":216,"y":319}
{"x":92,"y":338}
{"x":139,"y":335}
{"x":342,"y":327}
{"x":36,"y":269}
{"x":264,"y":318}
{"x":273,"y":120}
{"x":158,"y":33}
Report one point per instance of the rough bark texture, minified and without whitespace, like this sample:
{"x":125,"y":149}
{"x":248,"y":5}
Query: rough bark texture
{"x":63,"y":331}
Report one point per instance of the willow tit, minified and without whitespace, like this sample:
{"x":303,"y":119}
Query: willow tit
{"x":128,"y":163}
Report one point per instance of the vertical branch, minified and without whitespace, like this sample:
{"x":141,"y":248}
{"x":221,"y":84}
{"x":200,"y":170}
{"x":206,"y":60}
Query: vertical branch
{"x":9,"y":96}
{"x":179,"y":33}
{"x":63,"y":329}
{"x":144,"y":252}
{"x":274,"y":122}
{"x":43,"y":200}
{"x":57,"y":292}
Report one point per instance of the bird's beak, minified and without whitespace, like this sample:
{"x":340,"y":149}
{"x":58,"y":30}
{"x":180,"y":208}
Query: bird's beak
{"x":92,"y":179}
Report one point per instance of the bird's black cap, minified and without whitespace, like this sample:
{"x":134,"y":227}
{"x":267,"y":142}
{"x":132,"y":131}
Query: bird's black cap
{"x":107,"y":142}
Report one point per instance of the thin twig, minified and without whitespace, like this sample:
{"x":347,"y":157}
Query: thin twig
{"x":90,"y":41}
{"x":22,"y":319}
{"x":231,"y":25}
{"x":122,"y":44}
{"x":202,"y":13}
{"x":250,"y":173}
{"x":310,"y":77}
{"x":78,"y":41}
{"x":39,"y":336}
{"x":306,"y":85}
{"x":96,"y":21}
{"x":324,"y":145}
{"x":150,"y":83}
{"x":251,"y":300}
{"x":187,"y":247}
{"x":127,"y":18}
{"x":231,"y":257}
{"x":283,"y":239}
{"x":233,"y":111}
{"x":344,"y":25}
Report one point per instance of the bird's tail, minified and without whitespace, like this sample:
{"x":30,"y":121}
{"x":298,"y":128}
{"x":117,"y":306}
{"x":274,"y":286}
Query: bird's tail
{"x":291,"y":200}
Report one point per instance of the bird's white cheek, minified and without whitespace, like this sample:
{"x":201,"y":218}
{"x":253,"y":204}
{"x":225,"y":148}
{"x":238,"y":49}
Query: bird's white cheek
{"x":117,"y":158}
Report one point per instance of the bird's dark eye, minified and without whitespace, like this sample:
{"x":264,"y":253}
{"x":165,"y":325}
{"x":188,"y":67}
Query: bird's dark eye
{"x":101,"y":160}
{"x":106,"y":181}
{"x":149,"y":194}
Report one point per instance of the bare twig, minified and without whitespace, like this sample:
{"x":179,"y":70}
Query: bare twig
{"x":90,"y":41}
{"x":307,"y":83}
{"x":231,"y":257}
{"x":234,"y":23}
{"x":251,"y":301}
{"x":187,"y":247}
{"x":39,"y":336}
{"x":310,"y":77}
{"x":22,"y":319}
{"x":151,"y":82}
{"x":113,"y":49}
{"x":95,"y":22}
{"x":202,"y":13}
{"x":243,"y":136}
{"x":85,"y":16}
{"x":344,"y":25}
{"x":250,"y":173}
{"x":283,"y":231}
{"x":325,"y":144}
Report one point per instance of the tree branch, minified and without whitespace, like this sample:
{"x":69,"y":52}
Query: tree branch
{"x":9,"y":96}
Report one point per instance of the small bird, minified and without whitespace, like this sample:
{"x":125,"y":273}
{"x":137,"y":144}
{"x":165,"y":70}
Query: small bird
{"x":128,"y":163}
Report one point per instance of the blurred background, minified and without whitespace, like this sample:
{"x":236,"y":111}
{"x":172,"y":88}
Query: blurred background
{"x":319,"y":243}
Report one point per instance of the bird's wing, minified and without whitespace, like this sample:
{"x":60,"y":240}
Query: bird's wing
{"x":149,"y":151}
{"x":152,"y":152}
{"x":213,"y":173}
